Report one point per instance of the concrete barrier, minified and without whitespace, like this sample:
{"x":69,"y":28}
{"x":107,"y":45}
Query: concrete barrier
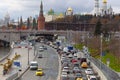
{"x":13,"y":76}
{"x":2,"y":59}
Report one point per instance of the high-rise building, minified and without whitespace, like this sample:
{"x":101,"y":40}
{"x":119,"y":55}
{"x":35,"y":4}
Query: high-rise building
{"x":41,"y":18}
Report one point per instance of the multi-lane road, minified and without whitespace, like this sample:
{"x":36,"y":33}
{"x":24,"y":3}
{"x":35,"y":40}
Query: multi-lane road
{"x":49,"y":63}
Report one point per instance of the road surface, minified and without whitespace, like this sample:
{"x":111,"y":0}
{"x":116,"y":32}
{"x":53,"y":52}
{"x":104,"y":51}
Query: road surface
{"x":50,"y":66}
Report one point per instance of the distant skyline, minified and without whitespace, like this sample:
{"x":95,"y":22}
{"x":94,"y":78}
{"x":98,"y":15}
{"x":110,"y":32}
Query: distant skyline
{"x":26,"y":8}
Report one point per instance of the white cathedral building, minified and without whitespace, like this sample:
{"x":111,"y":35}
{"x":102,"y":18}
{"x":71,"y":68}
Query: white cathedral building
{"x":104,"y":10}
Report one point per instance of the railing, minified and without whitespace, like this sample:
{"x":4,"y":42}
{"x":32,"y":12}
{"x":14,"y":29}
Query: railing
{"x":109,"y":73}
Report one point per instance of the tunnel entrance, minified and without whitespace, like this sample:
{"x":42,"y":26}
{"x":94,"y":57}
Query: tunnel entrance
{"x":40,"y":37}
{"x":4,"y":43}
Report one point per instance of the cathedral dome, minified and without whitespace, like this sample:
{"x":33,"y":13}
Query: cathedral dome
{"x":104,"y":1}
{"x":69,"y":9}
{"x":51,"y":12}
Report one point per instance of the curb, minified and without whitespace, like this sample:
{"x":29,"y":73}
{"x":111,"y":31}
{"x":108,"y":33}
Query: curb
{"x":9,"y":53}
{"x":20,"y":76}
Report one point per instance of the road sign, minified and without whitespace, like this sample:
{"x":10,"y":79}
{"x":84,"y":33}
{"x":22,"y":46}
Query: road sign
{"x":17,"y":63}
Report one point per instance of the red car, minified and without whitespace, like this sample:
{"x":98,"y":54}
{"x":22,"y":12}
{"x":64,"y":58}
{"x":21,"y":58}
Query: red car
{"x":74,"y":60}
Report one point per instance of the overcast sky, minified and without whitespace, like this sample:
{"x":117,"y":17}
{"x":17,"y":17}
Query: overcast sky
{"x":25,"y":8}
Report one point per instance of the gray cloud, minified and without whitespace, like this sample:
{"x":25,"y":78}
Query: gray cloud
{"x":25,"y":8}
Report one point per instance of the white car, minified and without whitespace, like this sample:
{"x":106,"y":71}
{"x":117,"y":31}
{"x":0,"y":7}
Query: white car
{"x":65,"y":69}
{"x":33,"y":65}
{"x":64,"y":74}
{"x":91,"y":77}
{"x":41,"y":48}
{"x":89,"y":71}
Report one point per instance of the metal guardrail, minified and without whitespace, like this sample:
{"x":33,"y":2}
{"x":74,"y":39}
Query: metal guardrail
{"x":109,"y":73}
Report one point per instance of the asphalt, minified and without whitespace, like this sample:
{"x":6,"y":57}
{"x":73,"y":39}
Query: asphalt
{"x":24,"y":63}
{"x":23,"y":60}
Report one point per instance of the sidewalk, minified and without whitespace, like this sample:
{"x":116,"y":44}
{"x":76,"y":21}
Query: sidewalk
{"x":23,"y":60}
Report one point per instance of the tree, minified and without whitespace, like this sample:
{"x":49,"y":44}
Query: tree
{"x":34,"y":24}
{"x":28,"y":23}
{"x":98,"y":30}
{"x":21,"y":22}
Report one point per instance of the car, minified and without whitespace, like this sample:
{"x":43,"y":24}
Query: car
{"x":76,"y":64}
{"x":70,"y":56}
{"x":40,"y":56}
{"x":45,"y":48}
{"x":92,"y":77}
{"x":41,"y":48}
{"x":39,"y":72}
{"x":65,"y":64}
{"x":74,"y":61}
{"x":66,"y":69}
{"x":84,"y":65}
{"x":76,"y":69}
{"x":83,"y":60}
{"x":64,"y":59}
{"x":33,"y":65}
{"x":80,"y":78}
{"x":64,"y":74}
{"x":78,"y":75}
{"x":89,"y":71}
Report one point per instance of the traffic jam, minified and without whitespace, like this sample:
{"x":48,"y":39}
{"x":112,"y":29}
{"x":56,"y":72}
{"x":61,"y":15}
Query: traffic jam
{"x":75,"y":65}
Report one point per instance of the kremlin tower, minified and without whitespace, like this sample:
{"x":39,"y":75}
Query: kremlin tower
{"x":41,"y":18}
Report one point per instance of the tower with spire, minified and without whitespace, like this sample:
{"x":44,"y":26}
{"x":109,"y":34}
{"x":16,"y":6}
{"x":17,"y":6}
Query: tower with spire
{"x":41,"y":18}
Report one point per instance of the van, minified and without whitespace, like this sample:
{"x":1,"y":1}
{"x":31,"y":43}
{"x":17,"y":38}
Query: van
{"x":33,"y":65}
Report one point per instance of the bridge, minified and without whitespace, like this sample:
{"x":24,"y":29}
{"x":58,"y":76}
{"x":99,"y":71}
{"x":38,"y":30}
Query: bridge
{"x":14,"y":35}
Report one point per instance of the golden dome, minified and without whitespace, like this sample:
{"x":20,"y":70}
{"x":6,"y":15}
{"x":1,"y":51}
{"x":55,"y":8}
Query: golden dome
{"x":60,"y":15}
{"x":104,"y":1}
{"x":69,"y":9}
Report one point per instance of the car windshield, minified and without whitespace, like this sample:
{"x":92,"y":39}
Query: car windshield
{"x":34,"y":64}
{"x":78,"y":74}
{"x":39,"y":70}
{"x":93,"y":79}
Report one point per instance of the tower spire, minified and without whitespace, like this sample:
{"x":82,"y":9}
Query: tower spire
{"x":41,"y":18}
{"x":41,"y":9}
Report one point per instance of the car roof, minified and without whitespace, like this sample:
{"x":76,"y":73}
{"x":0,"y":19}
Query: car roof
{"x":33,"y":62}
{"x":40,"y":69}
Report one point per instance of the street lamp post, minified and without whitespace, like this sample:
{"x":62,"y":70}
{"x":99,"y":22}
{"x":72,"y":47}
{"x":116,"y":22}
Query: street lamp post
{"x":101,"y":37}
{"x":34,"y":42}
{"x":28,"y":55}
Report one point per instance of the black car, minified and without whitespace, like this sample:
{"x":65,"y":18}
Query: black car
{"x":40,"y":56}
